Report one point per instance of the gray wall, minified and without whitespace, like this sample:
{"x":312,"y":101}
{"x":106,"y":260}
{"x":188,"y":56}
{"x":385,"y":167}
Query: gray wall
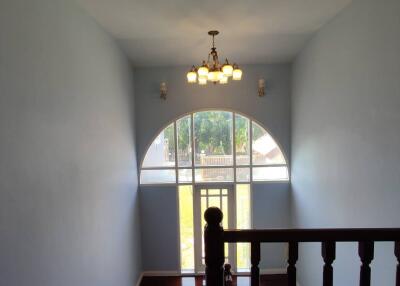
{"x":153,"y":114}
{"x":159,"y":204}
{"x":346,"y":135}
{"x":271,"y":209}
{"x":160,"y":237}
{"x":68,"y":173}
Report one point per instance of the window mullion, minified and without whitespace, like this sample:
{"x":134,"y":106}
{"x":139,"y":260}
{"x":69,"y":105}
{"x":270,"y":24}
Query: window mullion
{"x":234,"y":145}
{"x":192,"y":144}
{"x":176,"y":151}
{"x":158,"y":168}
{"x":251,"y":150}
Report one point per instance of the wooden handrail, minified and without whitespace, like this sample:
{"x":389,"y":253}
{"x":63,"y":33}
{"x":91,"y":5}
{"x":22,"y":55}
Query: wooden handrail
{"x":312,"y":235}
{"x":215,"y":237}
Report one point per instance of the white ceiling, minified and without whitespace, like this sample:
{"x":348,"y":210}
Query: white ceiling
{"x":174,"y":32}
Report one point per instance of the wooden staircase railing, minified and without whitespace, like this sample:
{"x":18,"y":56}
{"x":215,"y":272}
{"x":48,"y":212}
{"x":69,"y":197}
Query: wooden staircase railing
{"x":215,"y":237}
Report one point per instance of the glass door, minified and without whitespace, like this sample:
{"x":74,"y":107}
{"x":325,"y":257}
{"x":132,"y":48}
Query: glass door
{"x":216,"y":195}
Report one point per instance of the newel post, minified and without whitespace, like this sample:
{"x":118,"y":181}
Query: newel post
{"x":214,"y":247}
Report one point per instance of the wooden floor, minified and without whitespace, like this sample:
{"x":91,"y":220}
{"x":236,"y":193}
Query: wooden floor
{"x":266,"y":280}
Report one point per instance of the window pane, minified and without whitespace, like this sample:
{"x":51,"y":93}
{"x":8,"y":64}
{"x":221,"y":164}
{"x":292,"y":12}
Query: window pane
{"x":157,"y":176}
{"x":185,"y":175}
{"x":243,"y":174}
{"x":215,"y":192}
{"x":214,"y":202}
{"x":242,"y":139}
{"x":184,"y":142}
{"x":213,"y":138}
{"x":243,"y":221}
{"x":224,"y":209}
{"x":161,"y":152}
{"x":265,"y":149}
{"x":243,"y":217}
{"x":214,"y":175}
{"x":186,"y":227}
{"x":270,"y":174}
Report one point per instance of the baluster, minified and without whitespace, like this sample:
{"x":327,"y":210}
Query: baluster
{"x":214,"y":247}
{"x":255,"y":260}
{"x":397,"y":253}
{"x":366,"y":253}
{"x":292,"y":259}
{"x":328,"y":250}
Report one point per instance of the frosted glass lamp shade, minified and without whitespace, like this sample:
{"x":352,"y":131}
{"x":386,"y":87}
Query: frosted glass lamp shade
{"x":224,"y":80}
{"x":191,"y":77}
{"x":227,"y":69}
{"x":203,"y":71}
{"x":237,"y":74}
{"x":215,"y":76}
{"x":202,"y":80}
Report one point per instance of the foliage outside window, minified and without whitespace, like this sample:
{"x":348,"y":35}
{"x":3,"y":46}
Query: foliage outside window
{"x":213,"y":146}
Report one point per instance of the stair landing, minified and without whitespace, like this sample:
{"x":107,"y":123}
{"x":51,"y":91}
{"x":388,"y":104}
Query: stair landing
{"x":266,"y":280}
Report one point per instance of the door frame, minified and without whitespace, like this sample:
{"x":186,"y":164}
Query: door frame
{"x":197,"y":219}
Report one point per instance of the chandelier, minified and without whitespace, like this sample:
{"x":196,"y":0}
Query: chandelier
{"x":212,"y":70}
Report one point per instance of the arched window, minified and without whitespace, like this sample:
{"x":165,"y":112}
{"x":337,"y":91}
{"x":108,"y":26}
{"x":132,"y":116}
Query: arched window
{"x":213,"y":146}
{"x":213,"y":157}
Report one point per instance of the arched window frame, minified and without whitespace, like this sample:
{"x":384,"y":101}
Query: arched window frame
{"x":234,"y":166}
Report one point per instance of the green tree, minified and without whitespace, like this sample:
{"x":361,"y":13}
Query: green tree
{"x":242,"y":134}
{"x":183,"y":133}
{"x":213,"y":132}
{"x":169,"y":135}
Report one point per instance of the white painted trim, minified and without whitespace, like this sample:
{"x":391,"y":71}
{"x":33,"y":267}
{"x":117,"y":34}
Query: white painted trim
{"x":179,"y":227}
{"x":206,"y":183}
{"x":214,"y":167}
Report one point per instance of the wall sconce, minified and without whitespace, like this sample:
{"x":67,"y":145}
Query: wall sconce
{"x":261,"y":87}
{"x":163,"y":90}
